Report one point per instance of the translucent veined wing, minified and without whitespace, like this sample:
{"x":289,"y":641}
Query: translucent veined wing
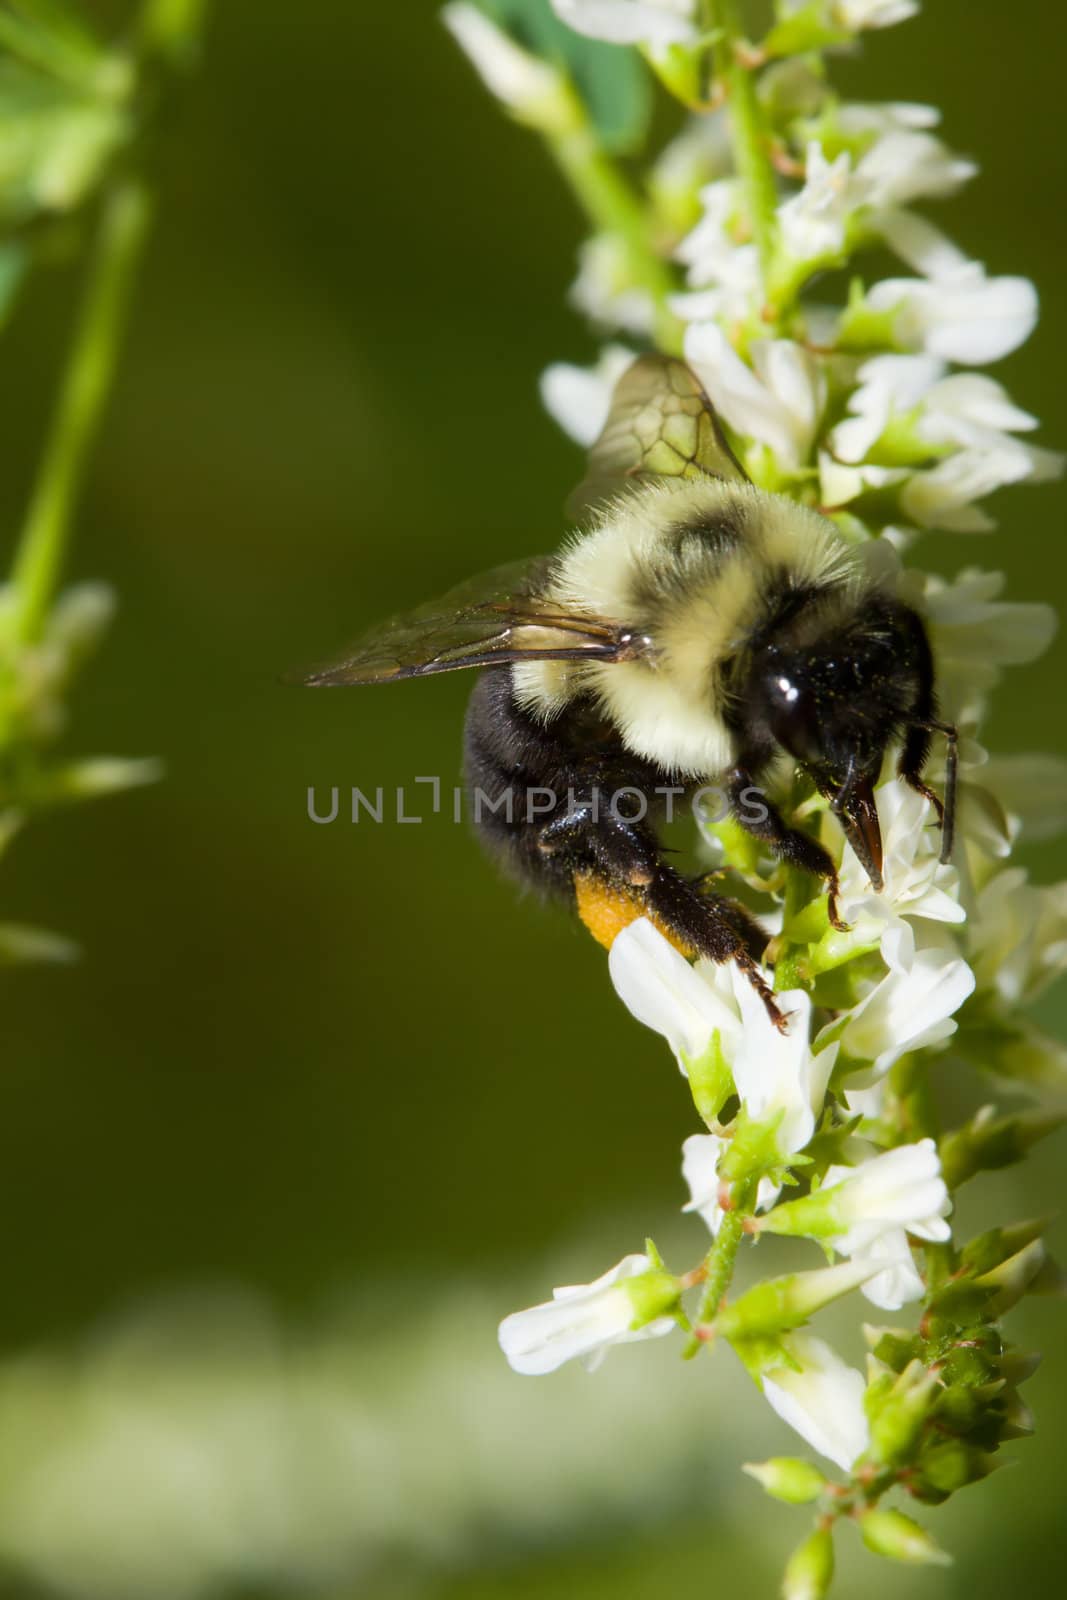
{"x":661,"y":425}
{"x":493,"y":620}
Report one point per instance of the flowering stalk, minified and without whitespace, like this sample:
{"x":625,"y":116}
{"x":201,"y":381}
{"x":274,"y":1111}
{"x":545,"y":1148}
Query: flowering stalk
{"x":83,"y":169}
{"x":872,"y":412}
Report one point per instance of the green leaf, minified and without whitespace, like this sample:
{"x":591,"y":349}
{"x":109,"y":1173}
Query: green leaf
{"x":612,"y":79}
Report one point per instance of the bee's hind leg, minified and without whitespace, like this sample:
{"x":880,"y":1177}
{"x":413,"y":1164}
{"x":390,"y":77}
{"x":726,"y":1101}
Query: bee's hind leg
{"x":619,"y":874}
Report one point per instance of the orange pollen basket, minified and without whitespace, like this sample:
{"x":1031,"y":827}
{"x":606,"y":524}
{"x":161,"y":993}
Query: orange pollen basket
{"x":606,"y":910}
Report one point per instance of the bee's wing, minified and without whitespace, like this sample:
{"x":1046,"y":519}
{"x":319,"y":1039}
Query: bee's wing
{"x":488,"y":621}
{"x":661,"y":425}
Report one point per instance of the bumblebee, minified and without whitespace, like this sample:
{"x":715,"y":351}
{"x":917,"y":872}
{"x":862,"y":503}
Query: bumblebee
{"x":695,"y":630}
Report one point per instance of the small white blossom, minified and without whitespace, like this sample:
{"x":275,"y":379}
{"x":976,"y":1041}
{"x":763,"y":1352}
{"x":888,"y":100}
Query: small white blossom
{"x":974,"y":633}
{"x":700,"y":1169}
{"x":813,"y":221}
{"x":522,"y":82}
{"x":919,"y":244}
{"x":904,"y":165}
{"x":859,"y":118}
{"x":1032,"y":790}
{"x":1018,"y":936}
{"x":604,"y":289}
{"x":651,"y":22}
{"x":899,"y":1282}
{"x":821,"y":1397}
{"x":916,"y":882}
{"x":965,"y":409}
{"x":840,"y":483}
{"x":779,"y":404}
{"x":899,"y":1188}
{"x":579,"y":398}
{"x":775,"y":1072}
{"x":944,"y":496}
{"x":581,"y":1320}
{"x":963,"y":315}
{"x":777,"y":1075}
{"x":873,"y":13}
{"x":913,"y":1005}
{"x":709,"y":252}
{"x":687,"y":1005}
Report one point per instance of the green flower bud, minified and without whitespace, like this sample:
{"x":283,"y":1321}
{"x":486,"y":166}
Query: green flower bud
{"x":810,"y":1569}
{"x":893,"y":1347}
{"x":784,"y":1303}
{"x":788,"y":1478}
{"x":897,"y":1417}
{"x":710,"y":1079}
{"x":987,"y":1250}
{"x":988,"y":1142}
{"x":653,"y":1294}
{"x":948,"y":1466}
{"x":890,"y":1533}
{"x":1013,"y":1277}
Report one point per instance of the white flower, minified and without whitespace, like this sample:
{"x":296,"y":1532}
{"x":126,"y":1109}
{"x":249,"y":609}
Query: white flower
{"x":813,"y":221}
{"x":899,"y":1188}
{"x":651,"y":22}
{"x":1032,"y":790}
{"x":916,"y":884}
{"x":839,"y":483}
{"x":919,"y":244}
{"x":522,"y":82}
{"x":700,"y":1164}
{"x":912,"y":1006}
{"x":776,"y":1073}
{"x":974,"y":633}
{"x":858,"y":118}
{"x":579,"y":398}
{"x":966,"y":409}
{"x":899,"y":1282}
{"x":962,"y":315}
{"x":904,"y":165}
{"x":604,"y":289}
{"x":709,"y":251}
{"x":944,"y":496}
{"x":687,"y":1005}
{"x":582,"y":1320}
{"x":873,"y":13}
{"x":1018,"y":936}
{"x":821,"y":1397}
{"x":779,"y":405}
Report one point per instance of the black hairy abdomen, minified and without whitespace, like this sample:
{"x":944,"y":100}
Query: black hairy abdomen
{"x":510,"y":754}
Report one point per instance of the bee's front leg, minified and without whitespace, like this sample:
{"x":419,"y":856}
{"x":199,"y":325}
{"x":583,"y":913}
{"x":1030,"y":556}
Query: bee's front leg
{"x":751,"y":807}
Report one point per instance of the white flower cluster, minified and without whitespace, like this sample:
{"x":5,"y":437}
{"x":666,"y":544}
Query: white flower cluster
{"x":860,"y":410}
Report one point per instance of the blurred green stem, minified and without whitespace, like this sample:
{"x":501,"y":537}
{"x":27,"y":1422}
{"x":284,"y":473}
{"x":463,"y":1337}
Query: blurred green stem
{"x":747,"y":133}
{"x":614,"y":208}
{"x":42,"y":544}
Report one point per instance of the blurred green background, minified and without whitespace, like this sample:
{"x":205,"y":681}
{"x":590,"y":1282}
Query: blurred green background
{"x":344,"y":1071}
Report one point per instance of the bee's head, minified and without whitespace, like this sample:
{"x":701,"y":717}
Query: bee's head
{"x":834,"y":688}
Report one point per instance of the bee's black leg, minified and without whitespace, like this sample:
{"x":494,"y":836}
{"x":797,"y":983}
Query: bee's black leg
{"x":544,"y":806}
{"x":752,"y":808}
{"x":625,"y":856}
{"x":913,"y":760}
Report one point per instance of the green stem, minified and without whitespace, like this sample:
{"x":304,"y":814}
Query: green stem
{"x":42,"y":544}
{"x":721,"y":1259}
{"x":614,"y":207}
{"x":748,"y":135}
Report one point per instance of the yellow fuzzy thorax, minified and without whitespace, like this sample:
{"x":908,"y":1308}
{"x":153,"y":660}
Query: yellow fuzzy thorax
{"x":689,"y":564}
